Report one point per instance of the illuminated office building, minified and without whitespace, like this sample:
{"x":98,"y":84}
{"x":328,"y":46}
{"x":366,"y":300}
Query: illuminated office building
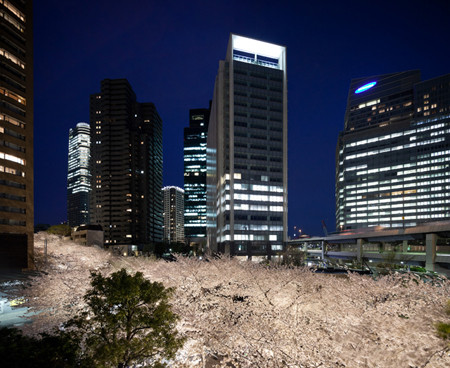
{"x":393,"y":158}
{"x":173,"y":215}
{"x":195,"y":174}
{"x":126,"y":166}
{"x":16,"y":134}
{"x":78,"y":176}
{"x":247,"y":151}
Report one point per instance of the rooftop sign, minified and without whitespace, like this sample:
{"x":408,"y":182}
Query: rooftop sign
{"x":365,"y":87}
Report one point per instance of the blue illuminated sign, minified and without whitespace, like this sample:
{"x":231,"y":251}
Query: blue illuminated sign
{"x":365,"y":87}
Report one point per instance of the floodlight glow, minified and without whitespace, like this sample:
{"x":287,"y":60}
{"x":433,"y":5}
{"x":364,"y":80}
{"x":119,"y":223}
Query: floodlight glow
{"x":365,"y":87}
{"x":257,"y":47}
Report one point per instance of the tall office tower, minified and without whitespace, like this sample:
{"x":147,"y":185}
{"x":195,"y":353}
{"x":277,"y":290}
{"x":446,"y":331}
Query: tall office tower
{"x":79,"y":175}
{"x":247,"y":151}
{"x":393,"y":158}
{"x":126,"y":166}
{"x":16,"y":134}
{"x":173,"y":214}
{"x":195,"y":174}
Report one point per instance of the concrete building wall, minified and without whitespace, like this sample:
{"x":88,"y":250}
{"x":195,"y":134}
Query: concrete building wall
{"x":126,"y":165}
{"x":16,"y":134}
{"x":247,"y":148}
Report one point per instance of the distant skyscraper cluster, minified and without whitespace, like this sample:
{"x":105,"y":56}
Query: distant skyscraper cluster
{"x":79,"y":175}
{"x":393,"y":158}
{"x":247,"y":151}
{"x":235,"y":155}
{"x":173,"y":198}
{"x":16,"y":134}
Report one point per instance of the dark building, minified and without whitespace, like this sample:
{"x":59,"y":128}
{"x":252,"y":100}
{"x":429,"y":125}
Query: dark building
{"x":393,"y":158}
{"x":247,"y":151}
{"x":126,"y":166}
{"x":195,"y":174}
{"x":16,"y":134}
{"x":79,"y":175}
{"x":173,"y":214}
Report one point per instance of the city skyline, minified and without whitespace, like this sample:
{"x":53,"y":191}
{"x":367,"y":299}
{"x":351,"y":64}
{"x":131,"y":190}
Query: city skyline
{"x":326,"y":48}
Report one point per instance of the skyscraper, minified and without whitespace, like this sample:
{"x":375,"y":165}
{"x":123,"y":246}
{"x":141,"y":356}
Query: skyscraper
{"x":16,"y":134}
{"x":195,"y":174}
{"x":393,"y":158}
{"x":126,"y":157}
{"x":79,"y":175}
{"x":173,"y":214}
{"x":247,"y":150}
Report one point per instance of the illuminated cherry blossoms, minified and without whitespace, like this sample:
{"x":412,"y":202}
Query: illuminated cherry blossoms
{"x":241,"y":314}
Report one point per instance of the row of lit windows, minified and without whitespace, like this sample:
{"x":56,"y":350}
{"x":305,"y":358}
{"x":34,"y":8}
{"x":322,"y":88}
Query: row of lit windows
{"x":13,"y":9}
{"x":9,"y":170}
{"x":409,"y":198}
{"x":389,"y":184}
{"x":12,"y":58}
{"x":255,"y":197}
{"x":400,"y":211}
{"x":202,"y":148}
{"x":253,"y":207}
{"x":256,"y":187}
{"x":398,"y":218}
{"x":12,"y":95}
{"x":12,"y":120}
{"x":248,"y":237}
{"x":394,"y":135}
{"x":407,"y":172}
{"x":402,"y":186}
{"x":12,"y":158}
{"x":253,"y":227}
{"x":391,"y":149}
{"x":430,"y":120}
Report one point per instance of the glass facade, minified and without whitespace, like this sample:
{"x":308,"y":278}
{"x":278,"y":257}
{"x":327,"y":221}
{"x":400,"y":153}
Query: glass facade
{"x":247,"y":151}
{"x":394,"y":169}
{"x":79,"y":175}
{"x":195,"y":137}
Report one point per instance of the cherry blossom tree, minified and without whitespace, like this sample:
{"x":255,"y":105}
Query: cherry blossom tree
{"x":242,"y":314}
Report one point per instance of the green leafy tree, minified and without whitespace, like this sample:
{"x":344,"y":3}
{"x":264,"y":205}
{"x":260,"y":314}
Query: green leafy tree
{"x":129,"y":320}
{"x":443,"y":329}
{"x":57,"y":350}
{"x":61,"y":229}
{"x":293,"y":256}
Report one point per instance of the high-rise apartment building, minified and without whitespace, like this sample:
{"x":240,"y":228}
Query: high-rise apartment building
{"x":16,"y":134}
{"x":195,"y":174}
{"x":247,"y":151}
{"x":173,"y":214}
{"x":79,"y":175}
{"x":393,"y":158}
{"x":126,"y":166}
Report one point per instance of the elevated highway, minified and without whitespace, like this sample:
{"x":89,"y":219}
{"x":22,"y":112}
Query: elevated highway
{"x":427,"y":245}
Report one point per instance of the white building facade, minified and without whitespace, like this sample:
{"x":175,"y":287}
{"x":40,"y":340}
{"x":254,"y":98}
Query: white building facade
{"x":247,"y":151}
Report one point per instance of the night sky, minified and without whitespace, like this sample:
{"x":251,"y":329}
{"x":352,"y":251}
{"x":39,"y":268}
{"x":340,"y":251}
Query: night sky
{"x":169,"y":52}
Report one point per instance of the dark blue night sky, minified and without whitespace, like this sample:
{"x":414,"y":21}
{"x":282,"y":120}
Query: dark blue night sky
{"x":169,"y":51}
